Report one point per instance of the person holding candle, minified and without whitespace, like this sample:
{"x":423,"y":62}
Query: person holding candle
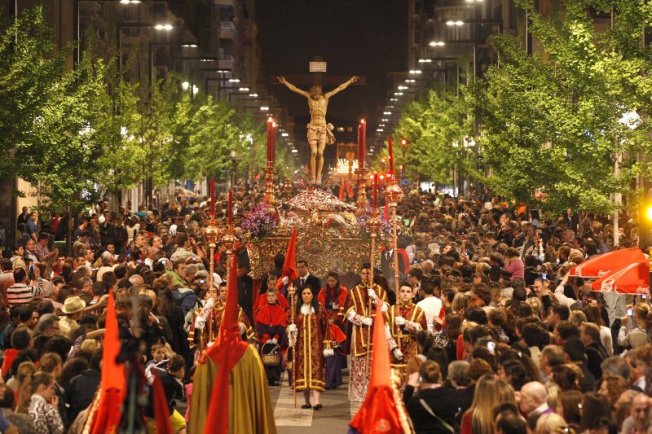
{"x":406,"y":319}
{"x":307,"y":335}
{"x":358,"y":313}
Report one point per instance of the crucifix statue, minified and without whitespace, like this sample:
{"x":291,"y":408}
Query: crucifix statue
{"x":320,"y":132}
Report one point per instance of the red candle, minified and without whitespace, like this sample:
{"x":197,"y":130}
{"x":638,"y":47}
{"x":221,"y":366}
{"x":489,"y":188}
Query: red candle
{"x":229,"y":211}
{"x":362,"y":151}
{"x":274,"y":129}
{"x":391,"y":156}
{"x":269,"y":139}
{"x":212,"y":193}
{"x":375,"y":190}
{"x":363,"y":136}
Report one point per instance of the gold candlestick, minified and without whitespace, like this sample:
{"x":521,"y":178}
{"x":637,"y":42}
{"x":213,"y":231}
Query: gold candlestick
{"x":362,"y":189}
{"x":393,"y":195}
{"x":373,"y":225}
{"x":269,"y":183}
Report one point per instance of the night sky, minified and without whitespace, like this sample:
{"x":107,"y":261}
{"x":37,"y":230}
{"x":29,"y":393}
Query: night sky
{"x":355,"y":37}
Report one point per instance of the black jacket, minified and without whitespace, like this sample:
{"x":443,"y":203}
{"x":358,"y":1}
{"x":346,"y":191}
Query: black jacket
{"x":441,"y":400}
{"x":312,"y":281}
{"x":78,"y":394}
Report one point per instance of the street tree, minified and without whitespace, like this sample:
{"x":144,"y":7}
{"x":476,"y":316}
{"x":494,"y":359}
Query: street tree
{"x":551,"y":124}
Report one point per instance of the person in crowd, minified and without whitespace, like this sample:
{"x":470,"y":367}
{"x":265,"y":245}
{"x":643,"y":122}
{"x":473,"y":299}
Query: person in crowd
{"x":271,"y":322}
{"x":431,"y":305}
{"x":489,"y":392}
{"x":38,"y":396}
{"x":361,"y":305}
{"x":428,"y":400}
{"x":23,"y":290}
{"x":306,"y":279}
{"x":307,"y":333}
{"x":406,"y":319}
{"x":332,"y":298}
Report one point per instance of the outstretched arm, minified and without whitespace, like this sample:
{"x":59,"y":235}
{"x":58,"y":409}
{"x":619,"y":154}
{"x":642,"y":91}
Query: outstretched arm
{"x":341,"y":87}
{"x":292,"y":87}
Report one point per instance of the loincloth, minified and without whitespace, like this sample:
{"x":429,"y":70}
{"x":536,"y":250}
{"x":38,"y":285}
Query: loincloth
{"x":321,"y":133}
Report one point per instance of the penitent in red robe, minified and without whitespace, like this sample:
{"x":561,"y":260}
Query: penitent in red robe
{"x":310,"y":367}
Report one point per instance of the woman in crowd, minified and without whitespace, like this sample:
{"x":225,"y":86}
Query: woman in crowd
{"x":306,"y":334}
{"x":489,"y":392}
{"x":42,"y":403}
{"x":430,"y":404}
{"x":333,"y":298}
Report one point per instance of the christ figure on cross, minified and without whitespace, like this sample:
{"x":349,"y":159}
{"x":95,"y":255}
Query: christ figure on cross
{"x":320,"y":133}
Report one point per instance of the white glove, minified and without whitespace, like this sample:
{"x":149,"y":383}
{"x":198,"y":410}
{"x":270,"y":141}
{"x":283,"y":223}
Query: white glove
{"x":367,"y":320}
{"x":285,"y":280}
{"x":335,"y":306}
{"x":200,"y":322}
{"x":399,"y":320}
{"x":412,"y":326}
{"x":356,"y":320}
{"x":398,"y":354}
{"x":292,"y":328}
{"x":384,"y":307}
{"x":292,"y":341}
{"x":209,"y":304}
{"x":372,"y":294}
{"x":273,"y":341}
{"x":328,"y":352}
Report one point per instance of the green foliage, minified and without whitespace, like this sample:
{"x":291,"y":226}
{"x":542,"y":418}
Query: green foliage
{"x":438,"y":129}
{"x":552,"y":124}
{"x":28,"y":71}
{"x":63,"y":145}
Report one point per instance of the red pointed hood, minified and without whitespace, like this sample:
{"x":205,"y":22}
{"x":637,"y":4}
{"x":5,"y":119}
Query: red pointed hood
{"x":379,"y":413}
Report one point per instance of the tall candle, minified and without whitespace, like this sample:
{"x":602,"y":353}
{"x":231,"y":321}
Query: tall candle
{"x":363,"y":136}
{"x":391,"y":156}
{"x":274,"y":129}
{"x":375,"y":190}
{"x":269,"y":139}
{"x":230,"y":209}
{"x":362,"y":146}
{"x":212,"y":193}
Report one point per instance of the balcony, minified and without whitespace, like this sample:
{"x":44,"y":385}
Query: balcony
{"x":227,"y":30}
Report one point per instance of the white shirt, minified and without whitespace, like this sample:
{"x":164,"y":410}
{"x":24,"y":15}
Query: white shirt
{"x":431,"y":306}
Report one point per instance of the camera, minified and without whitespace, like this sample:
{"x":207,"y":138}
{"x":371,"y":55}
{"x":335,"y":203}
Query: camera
{"x":630,"y":312}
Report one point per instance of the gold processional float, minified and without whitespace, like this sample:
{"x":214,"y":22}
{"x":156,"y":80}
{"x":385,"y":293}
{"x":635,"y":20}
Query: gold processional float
{"x":329,"y":234}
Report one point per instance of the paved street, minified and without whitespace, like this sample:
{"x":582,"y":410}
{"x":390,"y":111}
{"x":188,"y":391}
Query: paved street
{"x":333,"y":418}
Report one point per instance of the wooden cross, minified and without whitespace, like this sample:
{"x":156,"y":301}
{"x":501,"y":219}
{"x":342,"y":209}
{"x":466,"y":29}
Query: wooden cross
{"x":317,"y":68}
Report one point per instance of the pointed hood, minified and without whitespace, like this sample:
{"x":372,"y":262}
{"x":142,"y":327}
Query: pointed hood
{"x":381,"y":412}
{"x":226,"y":352}
{"x":112,"y":386}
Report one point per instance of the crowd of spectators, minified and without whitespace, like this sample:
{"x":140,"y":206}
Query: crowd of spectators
{"x":523,"y":347}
